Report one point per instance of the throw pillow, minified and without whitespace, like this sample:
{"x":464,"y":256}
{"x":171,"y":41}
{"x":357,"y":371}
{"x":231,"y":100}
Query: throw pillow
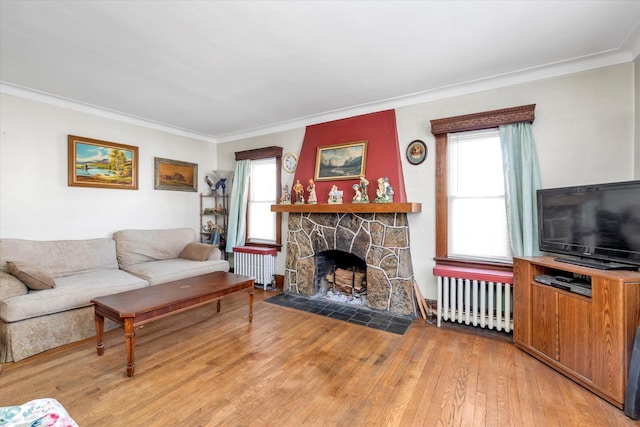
{"x":32,"y":277}
{"x":196,"y":251}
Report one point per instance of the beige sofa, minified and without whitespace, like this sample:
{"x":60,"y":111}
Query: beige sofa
{"x":46,"y":286}
{"x":154,"y":255}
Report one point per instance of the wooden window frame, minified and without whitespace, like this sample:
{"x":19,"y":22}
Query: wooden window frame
{"x":469,"y":122}
{"x":265,"y":153}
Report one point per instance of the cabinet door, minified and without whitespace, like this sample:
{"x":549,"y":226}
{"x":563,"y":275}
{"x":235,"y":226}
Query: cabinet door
{"x":610,"y":366}
{"x":544,"y":320}
{"x":575,"y":333}
{"x":521,"y":301}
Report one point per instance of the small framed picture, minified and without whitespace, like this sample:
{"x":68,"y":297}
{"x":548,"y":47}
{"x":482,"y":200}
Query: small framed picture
{"x":416,"y":152}
{"x":175,"y":175}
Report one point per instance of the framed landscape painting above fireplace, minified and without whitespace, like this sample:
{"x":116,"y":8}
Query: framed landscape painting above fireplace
{"x":341,"y":161}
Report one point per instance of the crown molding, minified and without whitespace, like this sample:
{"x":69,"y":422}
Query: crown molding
{"x":576,"y":65}
{"x":45,"y":98}
{"x":587,"y":63}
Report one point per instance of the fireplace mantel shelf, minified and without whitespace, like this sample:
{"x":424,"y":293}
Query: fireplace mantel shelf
{"x":350,"y":208}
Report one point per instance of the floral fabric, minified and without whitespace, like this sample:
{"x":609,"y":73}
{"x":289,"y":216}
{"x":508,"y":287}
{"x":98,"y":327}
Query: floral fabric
{"x":36,"y":413}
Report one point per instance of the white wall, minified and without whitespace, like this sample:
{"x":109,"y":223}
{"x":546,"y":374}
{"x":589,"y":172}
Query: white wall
{"x":35,"y":200}
{"x":584,"y":133}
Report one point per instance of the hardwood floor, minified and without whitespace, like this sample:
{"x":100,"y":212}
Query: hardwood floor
{"x":202,"y":368}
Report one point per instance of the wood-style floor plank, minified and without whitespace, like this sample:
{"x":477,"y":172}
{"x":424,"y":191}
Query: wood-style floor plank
{"x":202,"y":368}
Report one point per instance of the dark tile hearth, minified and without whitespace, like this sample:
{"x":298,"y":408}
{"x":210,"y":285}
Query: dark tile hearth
{"x":359,"y":315}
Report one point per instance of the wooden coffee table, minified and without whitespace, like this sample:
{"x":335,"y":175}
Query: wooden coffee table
{"x":134,"y":308}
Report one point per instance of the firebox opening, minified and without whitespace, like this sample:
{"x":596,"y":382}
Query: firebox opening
{"x":341,"y":274}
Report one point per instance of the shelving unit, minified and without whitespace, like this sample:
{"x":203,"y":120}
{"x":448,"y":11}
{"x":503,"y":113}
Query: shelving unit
{"x":214,"y":216}
{"x":588,"y":339}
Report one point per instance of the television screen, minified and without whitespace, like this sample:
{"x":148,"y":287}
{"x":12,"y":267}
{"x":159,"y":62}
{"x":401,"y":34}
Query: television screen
{"x":596,"y":222}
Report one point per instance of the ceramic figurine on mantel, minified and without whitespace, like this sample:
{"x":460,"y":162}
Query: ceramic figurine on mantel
{"x":384,"y":192}
{"x":299,"y":190}
{"x":335,"y":196}
{"x":361,"y":191}
{"x":311,"y":188}
{"x":364,"y":185}
{"x":286,"y":196}
{"x":357,"y":198}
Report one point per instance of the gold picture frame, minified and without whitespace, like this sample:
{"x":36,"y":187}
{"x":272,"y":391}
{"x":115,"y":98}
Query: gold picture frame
{"x":101,"y":164}
{"x":175,"y":175}
{"x":341,"y":161}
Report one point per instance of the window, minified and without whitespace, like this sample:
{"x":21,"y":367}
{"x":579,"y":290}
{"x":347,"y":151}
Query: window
{"x":263,"y":226}
{"x":464,"y":186}
{"x":477,"y":219}
{"x":261,"y":222}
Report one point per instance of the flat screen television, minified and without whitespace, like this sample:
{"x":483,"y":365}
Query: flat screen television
{"x":596,"y":225}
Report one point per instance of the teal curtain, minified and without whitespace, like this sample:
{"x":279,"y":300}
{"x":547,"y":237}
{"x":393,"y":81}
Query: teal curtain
{"x":237,"y":228}
{"x":521,"y":180}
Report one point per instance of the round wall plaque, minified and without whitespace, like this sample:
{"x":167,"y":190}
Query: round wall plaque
{"x":416,"y":152}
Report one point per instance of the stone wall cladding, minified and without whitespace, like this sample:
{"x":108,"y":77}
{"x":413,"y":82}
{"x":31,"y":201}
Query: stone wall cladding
{"x":382,"y":240}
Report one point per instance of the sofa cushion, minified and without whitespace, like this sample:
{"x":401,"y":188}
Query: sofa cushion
{"x":70,"y":292}
{"x":60,"y":257}
{"x":31,"y":276}
{"x":196,"y":251}
{"x":138,"y":246}
{"x":157,"y":272}
{"x":10,"y":286}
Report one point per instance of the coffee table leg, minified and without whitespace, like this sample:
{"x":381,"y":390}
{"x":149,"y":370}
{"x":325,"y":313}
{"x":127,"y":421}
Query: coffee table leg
{"x":129,"y":341}
{"x":99,"y":333}
{"x":251,"y":304}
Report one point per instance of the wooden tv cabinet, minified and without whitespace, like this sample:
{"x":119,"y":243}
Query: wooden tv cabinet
{"x":588,"y":339}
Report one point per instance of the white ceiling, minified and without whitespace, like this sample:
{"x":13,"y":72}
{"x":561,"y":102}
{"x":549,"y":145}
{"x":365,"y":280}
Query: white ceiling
{"x":221,"y":70}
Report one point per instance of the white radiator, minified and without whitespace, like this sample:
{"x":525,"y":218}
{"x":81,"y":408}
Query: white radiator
{"x":256,"y":262}
{"x":483,"y":303}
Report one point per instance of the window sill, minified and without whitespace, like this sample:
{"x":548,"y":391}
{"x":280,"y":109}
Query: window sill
{"x":278,"y":247}
{"x":473,"y":270}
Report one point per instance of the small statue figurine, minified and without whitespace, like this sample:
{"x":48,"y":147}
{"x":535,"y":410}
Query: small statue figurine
{"x":364,"y":184}
{"x":311,"y":188}
{"x":384,"y":192}
{"x":286,"y":196}
{"x":357,"y":198}
{"x":299,"y":190}
{"x":211,"y":185}
{"x":335,"y":195}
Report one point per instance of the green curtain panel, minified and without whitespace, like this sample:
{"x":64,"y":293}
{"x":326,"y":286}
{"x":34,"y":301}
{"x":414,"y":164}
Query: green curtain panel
{"x":522,"y":179}
{"x":237,"y":228}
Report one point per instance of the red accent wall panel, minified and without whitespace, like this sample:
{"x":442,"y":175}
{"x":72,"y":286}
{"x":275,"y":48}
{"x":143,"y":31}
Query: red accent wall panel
{"x":383,"y":154}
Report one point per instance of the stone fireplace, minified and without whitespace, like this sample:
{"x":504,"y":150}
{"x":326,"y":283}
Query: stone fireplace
{"x":381,"y":240}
